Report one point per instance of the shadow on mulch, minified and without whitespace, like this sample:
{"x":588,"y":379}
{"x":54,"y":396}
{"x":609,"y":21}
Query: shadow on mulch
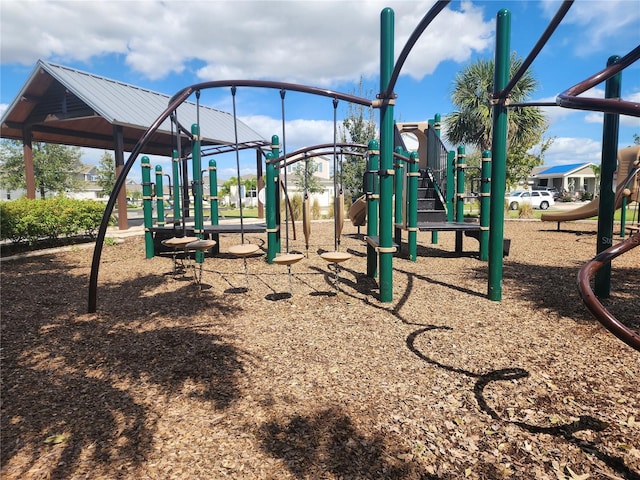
{"x":312,"y":446}
{"x":565,"y":431}
{"x":550,"y":287}
{"x":69,"y":373}
{"x":10,"y":249}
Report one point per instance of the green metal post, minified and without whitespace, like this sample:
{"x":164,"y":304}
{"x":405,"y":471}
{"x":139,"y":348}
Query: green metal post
{"x":451,"y":185}
{"x":147,"y":206}
{"x":385,"y":249}
{"x":610,"y":127}
{"x":412,"y":205}
{"x":272,"y":201}
{"x":213,"y":201}
{"x":275,"y":150}
{"x":373,"y":204}
{"x":398,"y":166}
{"x":499,"y":156}
{"x":159,"y":196}
{"x":461,"y":164}
{"x":197,"y":188}
{"x":270,"y":209}
{"x":175,"y":164}
{"x":485,"y":202}
{"x":436,"y":126}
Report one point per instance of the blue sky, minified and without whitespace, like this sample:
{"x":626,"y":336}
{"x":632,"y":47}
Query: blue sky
{"x":165,"y":46}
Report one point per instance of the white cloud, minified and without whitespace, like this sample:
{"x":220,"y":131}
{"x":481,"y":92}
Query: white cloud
{"x":3,"y":108}
{"x":298,"y":132}
{"x":565,"y":150}
{"x":599,"y":21}
{"x":319,"y":43}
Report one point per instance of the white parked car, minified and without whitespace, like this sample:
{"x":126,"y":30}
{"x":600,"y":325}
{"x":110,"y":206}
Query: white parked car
{"x":537,"y":199}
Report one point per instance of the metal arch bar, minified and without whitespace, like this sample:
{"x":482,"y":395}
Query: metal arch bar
{"x":424,"y":23}
{"x":555,"y":21}
{"x":209,"y":150}
{"x":176,"y":101}
{"x":531,"y":104}
{"x":328,"y":151}
{"x":312,"y":149}
{"x":592,"y":303}
{"x":569,"y":98}
{"x":271,"y":84}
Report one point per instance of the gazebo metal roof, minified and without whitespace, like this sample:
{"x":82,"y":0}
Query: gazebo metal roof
{"x":66,"y":106}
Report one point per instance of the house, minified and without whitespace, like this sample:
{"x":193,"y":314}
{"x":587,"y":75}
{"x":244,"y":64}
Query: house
{"x":572,"y":178}
{"x":88,"y":188}
{"x":324,"y":174}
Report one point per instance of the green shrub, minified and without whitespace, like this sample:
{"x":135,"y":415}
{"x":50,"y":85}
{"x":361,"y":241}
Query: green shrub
{"x":31,"y":220}
{"x":586,"y":196}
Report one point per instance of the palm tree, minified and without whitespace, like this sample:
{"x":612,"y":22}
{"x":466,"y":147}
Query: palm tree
{"x":471,"y":123}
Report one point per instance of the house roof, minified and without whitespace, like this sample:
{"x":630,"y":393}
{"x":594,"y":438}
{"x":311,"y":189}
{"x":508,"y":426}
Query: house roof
{"x":563,"y":170}
{"x":70,"y":107}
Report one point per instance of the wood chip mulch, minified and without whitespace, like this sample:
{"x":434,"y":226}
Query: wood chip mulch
{"x":169,"y":381}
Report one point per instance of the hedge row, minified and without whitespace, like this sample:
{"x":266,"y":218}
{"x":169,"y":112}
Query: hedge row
{"x":33,"y":220}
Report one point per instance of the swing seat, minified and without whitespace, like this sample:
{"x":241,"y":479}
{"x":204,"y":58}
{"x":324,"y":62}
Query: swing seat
{"x":288,"y":258}
{"x":179,"y":242}
{"x":243,"y":250}
{"x":335,"y":257}
{"x":201,"y":245}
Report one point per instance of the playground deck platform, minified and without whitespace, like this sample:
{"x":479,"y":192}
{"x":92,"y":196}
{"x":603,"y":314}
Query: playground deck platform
{"x":447,"y":226}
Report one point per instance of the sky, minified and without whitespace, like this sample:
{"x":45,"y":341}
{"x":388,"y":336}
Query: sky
{"x":168,"y":45}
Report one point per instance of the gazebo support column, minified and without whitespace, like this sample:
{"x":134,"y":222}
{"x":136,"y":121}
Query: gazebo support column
{"x":118,"y":143}
{"x":27,"y":148}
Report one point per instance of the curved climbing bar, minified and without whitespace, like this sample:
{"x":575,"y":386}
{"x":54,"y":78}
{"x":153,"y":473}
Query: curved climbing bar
{"x":569,"y":98}
{"x":272,"y":84}
{"x":176,"y":101}
{"x":592,"y":303}
{"x":317,"y":150}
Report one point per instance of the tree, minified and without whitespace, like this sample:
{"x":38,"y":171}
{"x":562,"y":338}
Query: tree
{"x":471,"y":123}
{"x":636,"y":139}
{"x":106,"y":173}
{"x":359,"y":126}
{"x":225,"y":188}
{"x":56,"y":167}
{"x":306,"y":176}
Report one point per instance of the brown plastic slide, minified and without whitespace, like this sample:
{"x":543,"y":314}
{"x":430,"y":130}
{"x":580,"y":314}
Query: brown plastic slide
{"x":358,"y":212}
{"x":627,"y":175}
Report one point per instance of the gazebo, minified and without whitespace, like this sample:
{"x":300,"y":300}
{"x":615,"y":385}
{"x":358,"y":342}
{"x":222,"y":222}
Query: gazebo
{"x":65,"y":106}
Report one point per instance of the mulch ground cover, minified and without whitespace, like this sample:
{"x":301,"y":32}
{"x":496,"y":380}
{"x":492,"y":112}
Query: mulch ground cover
{"x":269,"y":376}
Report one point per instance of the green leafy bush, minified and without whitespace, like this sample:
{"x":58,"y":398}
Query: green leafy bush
{"x":31,"y":220}
{"x":586,"y":196}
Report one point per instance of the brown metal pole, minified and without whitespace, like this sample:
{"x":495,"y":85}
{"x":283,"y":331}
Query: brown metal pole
{"x":27,"y":149}
{"x":123,"y":222}
{"x":260,"y":182}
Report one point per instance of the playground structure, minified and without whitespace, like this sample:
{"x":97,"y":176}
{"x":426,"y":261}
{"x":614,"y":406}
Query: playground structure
{"x":380,"y":211}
